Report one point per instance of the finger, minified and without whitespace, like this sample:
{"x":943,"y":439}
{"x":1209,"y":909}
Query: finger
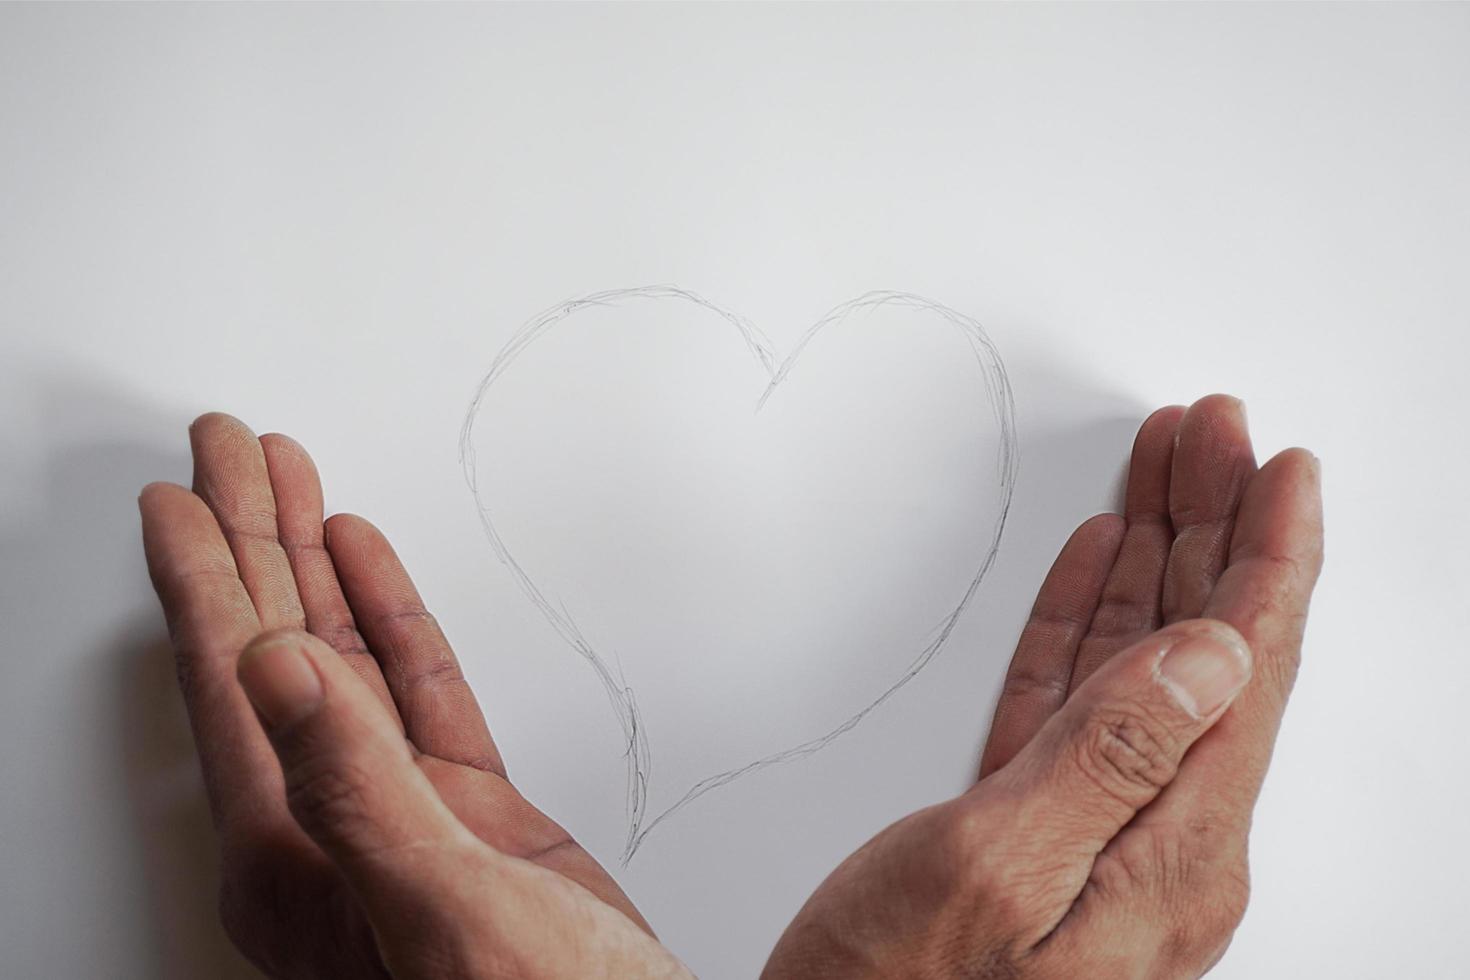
{"x":439,"y":900}
{"x":1213,"y":462}
{"x":350,"y":778}
{"x":1117,"y":742}
{"x":210,"y":619}
{"x":439,"y":711}
{"x":1129,"y":609}
{"x":230,"y":476}
{"x":1036,"y":682}
{"x":299,"y":521}
{"x":1175,"y":880}
{"x":1275,"y":558}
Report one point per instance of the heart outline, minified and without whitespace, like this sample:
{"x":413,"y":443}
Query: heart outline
{"x":620,"y":694}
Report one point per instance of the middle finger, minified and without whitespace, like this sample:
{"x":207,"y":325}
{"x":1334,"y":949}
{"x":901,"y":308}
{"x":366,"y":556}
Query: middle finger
{"x":1213,"y":462}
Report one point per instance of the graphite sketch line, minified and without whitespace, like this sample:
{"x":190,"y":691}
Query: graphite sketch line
{"x":1001,"y":401}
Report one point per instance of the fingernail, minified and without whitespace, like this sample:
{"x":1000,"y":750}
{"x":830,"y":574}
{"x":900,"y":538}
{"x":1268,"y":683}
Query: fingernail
{"x":279,"y":680}
{"x":1204,"y":672}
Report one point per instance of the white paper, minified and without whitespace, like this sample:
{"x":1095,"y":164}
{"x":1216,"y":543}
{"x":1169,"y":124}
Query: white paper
{"x":329,"y":220}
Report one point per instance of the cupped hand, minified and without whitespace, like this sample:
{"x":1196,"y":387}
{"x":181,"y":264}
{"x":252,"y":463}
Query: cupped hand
{"x":367,"y":823}
{"x":1107,"y":833}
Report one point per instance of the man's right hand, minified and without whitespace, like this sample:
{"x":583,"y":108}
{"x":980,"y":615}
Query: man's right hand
{"x":1106,"y":836}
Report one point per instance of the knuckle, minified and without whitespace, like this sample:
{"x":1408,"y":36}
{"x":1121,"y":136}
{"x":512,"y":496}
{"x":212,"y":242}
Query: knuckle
{"x":344,"y":638}
{"x":1028,"y":682}
{"x":303,"y":549}
{"x":253,"y":522}
{"x":1282,"y":583}
{"x":1121,"y":616}
{"x":412,"y":618}
{"x":439,"y":673}
{"x":186,"y":672}
{"x":485,"y":762}
{"x":1279,"y":584}
{"x":435,"y":671}
{"x":1128,"y":752}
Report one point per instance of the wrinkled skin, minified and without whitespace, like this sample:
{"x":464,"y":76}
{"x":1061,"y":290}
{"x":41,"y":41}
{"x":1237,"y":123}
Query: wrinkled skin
{"x":247,"y":553}
{"x":1107,"y":833}
{"x":368,"y":827}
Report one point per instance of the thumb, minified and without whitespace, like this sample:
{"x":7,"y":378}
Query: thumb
{"x":1119,"y":739}
{"x":440,"y":901}
{"x":351,"y":781}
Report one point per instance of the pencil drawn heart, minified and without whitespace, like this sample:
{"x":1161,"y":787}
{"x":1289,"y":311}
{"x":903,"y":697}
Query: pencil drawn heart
{"x":568,"y":415}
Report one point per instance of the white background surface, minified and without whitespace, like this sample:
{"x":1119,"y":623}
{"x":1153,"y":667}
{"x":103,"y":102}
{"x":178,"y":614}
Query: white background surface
{"x":327,"y":220}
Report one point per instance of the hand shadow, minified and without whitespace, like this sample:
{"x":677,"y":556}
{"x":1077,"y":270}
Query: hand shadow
{"x":101,"y":446}
{"x":173,"y":829}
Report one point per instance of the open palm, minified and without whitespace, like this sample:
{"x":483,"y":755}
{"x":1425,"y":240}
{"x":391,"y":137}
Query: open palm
{"x":247,"y":551}
{"x":1107,"y":834}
